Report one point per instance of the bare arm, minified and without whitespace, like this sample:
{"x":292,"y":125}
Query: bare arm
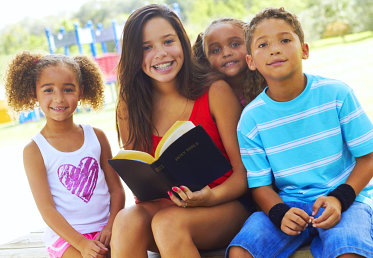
{"x":226,"y":111}
{"x":122,"y":120}
{"x":117,"y":196}
{"x":37,"y":178}
{"x":362,"y":173}
{"x":266,"y":197}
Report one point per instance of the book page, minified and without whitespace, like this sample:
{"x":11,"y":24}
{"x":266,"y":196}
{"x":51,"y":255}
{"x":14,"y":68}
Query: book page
{"x":176,"y":130}
{"x":135,"y":155}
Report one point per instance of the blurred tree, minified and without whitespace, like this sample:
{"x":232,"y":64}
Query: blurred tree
{"x":337,"y":28}
{"x":17,"y":38}
{"x":201,"y":13}
{"x":356,"y":15}
{"x":318,"y":17}
{"x":103,"y":11}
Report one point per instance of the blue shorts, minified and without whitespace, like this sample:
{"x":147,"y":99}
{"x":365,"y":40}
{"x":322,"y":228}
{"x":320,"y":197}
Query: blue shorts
{"x":353,"y":234}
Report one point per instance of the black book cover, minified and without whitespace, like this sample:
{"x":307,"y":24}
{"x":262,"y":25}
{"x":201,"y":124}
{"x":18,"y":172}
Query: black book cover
{"x":192,"y":160}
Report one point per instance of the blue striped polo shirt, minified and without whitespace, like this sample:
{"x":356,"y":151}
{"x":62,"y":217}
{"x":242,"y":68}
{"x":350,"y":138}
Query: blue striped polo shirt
{"x":308,"y":144}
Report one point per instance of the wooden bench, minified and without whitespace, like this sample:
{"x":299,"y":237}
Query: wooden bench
{"x":32,"y":245}
{"x":301,"y":253}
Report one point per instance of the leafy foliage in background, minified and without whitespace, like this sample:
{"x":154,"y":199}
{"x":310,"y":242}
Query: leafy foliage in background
{"x":320,"y":18}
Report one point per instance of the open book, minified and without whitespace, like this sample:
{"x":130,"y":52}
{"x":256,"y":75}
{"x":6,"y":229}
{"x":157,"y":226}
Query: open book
{"x":186,"y":155}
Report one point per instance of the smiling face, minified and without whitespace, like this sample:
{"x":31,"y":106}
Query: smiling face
{"x":162,"y":50}
{"x":225,"y":48}
{"x":57,"y":92}
{"x":276,"y":50}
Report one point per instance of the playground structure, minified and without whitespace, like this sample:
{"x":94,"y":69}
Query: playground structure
{"x":90,"y":36}
{"x":93,"y":36}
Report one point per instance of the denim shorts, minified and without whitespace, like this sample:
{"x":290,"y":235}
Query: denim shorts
{"x":353,"y":234}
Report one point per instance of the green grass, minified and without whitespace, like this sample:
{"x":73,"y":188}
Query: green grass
{"x":14,"y":133}
{"x":350,"y":38}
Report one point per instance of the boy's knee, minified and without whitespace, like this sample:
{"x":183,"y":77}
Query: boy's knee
{"x":238,"y":252}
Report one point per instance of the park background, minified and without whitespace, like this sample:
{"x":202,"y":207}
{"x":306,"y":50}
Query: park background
{"x":340,"y":33}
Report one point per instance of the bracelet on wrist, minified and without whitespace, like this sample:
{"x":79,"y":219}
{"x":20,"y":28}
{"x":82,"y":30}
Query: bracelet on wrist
{"x":277,"y":213}
{"x":345,"y":194}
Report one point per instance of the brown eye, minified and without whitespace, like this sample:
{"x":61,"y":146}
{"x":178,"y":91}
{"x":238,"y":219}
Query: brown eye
{"x":169,"y":41}
{"x":235,"y":44}
{"x":215,"y":50}
{"x":145,"y":48}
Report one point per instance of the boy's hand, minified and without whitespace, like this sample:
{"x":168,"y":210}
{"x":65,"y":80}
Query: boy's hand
{"x":295,"y":221}
{"x":92,"y":248}
{"x":105,"y":236}
{"x":330,"y":216}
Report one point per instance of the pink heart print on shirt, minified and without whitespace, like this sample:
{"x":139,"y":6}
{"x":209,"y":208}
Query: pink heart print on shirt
{"x":80,"y":180}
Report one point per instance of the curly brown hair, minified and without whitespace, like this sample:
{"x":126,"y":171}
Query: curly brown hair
{"x":254,"y":82}
{"x":25,"y":69}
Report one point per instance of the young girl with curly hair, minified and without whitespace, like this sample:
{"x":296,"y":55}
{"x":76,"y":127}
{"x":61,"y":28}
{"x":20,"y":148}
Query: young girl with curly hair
{"x":159,"y":84}
{"x":222,"y":48}
{"x":76,"y":191}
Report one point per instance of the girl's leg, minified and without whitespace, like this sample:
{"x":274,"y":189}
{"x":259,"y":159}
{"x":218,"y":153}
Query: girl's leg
{"x":180,"y":232}
{"x":71,"y":252}
{"x":63,"y":249}
{"x":132,"y":235}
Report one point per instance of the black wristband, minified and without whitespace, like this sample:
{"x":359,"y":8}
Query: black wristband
{"x":345,"y":194}
{"x":277,"y":212}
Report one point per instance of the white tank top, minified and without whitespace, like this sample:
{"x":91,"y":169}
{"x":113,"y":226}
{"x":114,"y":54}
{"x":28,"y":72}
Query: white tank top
{"x":77,"y":184}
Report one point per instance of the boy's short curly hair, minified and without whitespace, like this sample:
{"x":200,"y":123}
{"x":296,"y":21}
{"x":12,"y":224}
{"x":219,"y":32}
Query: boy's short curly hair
{"x":273,"y":13}
{"x":25,"y":69}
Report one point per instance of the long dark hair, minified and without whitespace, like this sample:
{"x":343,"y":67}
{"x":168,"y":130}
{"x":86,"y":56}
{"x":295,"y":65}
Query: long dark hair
{"x":136,"y":89}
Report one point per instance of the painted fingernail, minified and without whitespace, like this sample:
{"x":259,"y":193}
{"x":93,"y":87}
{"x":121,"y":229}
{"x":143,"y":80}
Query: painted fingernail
{"x":182,"y":188}
{"x":169,"y":193}
{"x":174,"y":189}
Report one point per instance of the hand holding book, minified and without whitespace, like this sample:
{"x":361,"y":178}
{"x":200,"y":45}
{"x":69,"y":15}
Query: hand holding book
{"x":182,"y":196}
{"x":185,"y":156}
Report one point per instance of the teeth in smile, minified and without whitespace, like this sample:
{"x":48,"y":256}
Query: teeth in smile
{"x":230,"y":63}
{"x":59,"y":108}
{"x":162,"y":66}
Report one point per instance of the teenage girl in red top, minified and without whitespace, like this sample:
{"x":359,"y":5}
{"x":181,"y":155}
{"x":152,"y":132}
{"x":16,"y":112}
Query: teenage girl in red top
{"x":158,"y":86}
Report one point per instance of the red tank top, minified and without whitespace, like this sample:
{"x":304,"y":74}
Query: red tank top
{"x":201,"y":116}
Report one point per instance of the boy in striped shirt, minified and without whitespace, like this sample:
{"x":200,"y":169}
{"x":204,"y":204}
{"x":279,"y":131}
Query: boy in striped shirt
{"x":310,"y":136}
